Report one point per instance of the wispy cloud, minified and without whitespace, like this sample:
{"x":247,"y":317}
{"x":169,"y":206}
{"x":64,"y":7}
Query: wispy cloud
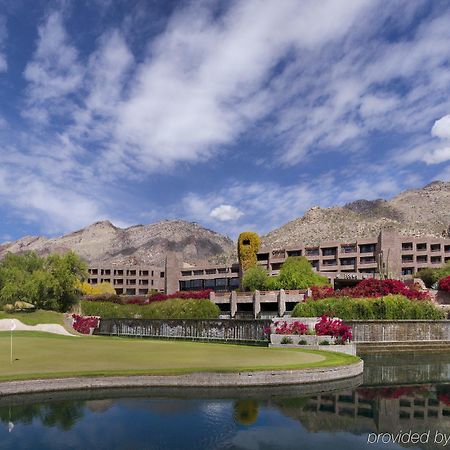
{"x":305,"y":78}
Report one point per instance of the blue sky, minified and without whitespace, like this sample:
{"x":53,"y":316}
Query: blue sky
{"x":234,"y":114}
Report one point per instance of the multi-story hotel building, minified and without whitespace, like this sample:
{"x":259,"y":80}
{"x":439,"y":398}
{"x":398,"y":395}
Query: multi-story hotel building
{"x":389,"y":253}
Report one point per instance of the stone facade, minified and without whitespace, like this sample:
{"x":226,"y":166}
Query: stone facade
{"x":344,"y":263}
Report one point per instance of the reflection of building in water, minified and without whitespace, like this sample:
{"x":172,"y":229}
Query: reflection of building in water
{"x":373,"y":410}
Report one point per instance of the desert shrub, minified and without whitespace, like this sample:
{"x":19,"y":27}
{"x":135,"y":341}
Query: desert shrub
{"x":112,"y":298}
{"x":432,"y":276}
{"x":271,"y":284}
{"x":302,"y":342}
{"x":286,"y":340}
{"x":444,"y":284}
{"x":324,"y":342}
{"x":169,"y":309}
{"x":95,"y":289}
{"x":255,"y":278}
{"x":389,"y":307}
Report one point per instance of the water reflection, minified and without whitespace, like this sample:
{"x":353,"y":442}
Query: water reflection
{"x":337,"y":416}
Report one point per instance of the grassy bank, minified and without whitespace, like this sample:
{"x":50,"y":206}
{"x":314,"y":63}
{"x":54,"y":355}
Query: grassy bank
{"x":42,"y":355}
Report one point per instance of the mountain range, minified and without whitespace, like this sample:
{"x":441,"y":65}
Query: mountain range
{"x":415,"y":212}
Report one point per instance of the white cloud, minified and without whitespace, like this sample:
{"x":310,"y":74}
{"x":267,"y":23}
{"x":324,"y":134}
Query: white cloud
{"x":226,"y":213}
{"x":441,"y":127}
{"x":54,"y":71}
{"x":437,"y":156}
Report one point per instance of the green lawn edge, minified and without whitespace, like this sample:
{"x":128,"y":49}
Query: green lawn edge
{"x":332,"y":360}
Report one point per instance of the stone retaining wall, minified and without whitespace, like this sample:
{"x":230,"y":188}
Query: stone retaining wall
{"x":248,"y":331}
{"x":399,"y":330}
{"x":257,"y":378}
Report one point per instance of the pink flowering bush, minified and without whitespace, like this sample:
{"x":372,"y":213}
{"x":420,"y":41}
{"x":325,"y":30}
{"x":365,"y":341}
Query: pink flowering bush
{"x":334,"y":327}
{"x":291,"y":328}
{"x":371,"y":288}
{"x":83,"y":324}
{"x":181,"y":294}
{"x":444,"y":284}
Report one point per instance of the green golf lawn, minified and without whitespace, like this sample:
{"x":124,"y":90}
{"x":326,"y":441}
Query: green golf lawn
{"x":44,"y":355}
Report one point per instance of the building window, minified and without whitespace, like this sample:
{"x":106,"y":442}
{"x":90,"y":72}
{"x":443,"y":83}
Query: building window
{"x":294,"y":253}
{"x":143,"y":273}
{"x":312,"y":251}
{"x":436,"y":260}
{"x":422,"y":259}
{"x":198,"y":272}
{"x":407,"y":258}
{"x":407,"y":246}
{"x":210,"y":271}
{"x":435,"y":247}
{"x":330,"y":251}
{"x":349,"y":248}
{"x":348,"y":261}
{"x":223,"y":270}
{"x":407,"y":271}
{"x":367,"y":260}
{"x":367,"y":248}
{"x":421,"y":247}
{"x":161,"y":275}
{"x":329,"y":262}
{"x":186,"y":273}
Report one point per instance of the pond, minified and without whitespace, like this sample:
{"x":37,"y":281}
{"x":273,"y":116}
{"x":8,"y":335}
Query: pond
{"x":400,"y":395}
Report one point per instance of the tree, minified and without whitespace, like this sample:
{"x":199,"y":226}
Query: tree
{"x":297,"y":273}
{"x":46,"y":282}
{"x":248,"y":247}
{"x":254,"y":278}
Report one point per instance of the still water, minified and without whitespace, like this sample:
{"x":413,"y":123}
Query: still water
{"x":400,"y":395}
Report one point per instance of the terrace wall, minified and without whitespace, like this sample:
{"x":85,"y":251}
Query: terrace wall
{"x":246,"y":331}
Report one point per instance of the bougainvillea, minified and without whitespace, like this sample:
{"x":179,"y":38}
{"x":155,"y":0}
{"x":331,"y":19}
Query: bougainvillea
{"x":182,"y":294}
{"x":444,"y":284}
{"x":372,"y":288}
{"x":334,"y":327}
{"x":291,"y":328}
{"x":390,"y":392}
{"x":84,"y":324}
{"x":319,"y":292}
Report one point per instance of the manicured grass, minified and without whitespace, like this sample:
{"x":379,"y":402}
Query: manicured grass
{"x":35,"y":317}
{"x":43,"y":355}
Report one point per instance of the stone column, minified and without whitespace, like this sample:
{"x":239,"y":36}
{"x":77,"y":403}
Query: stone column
{"x":233,"y":303}
{"x":256,"y":303}
{"x":281,"y":302}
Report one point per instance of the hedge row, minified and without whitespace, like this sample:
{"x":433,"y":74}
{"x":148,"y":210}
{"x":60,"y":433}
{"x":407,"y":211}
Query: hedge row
{"x":390,"y":307}
{"x":168,"y":309}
